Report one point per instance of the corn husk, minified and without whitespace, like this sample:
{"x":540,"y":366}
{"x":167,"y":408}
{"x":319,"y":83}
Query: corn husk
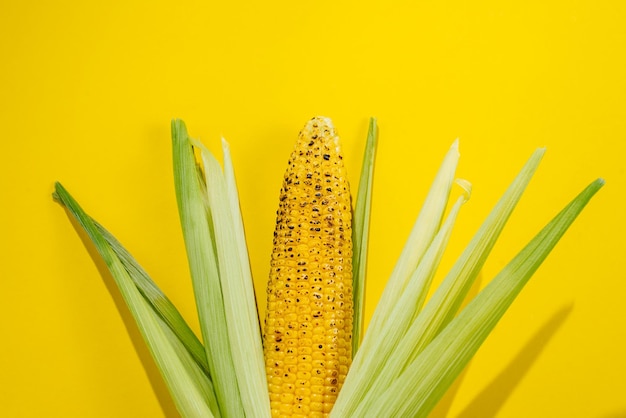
{"x":413,"y":348}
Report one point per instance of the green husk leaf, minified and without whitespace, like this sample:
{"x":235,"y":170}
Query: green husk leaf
{"x":402,"y":314}
{"x":450,"y":295}
{"x":203,"y":265}
{"x":158,"y":300}
{"x":422,"y":234}
{"x":360,"y":233}
{"x":190,"y":387}
{"x":437,"y":312}
{"x":446,"y":300}
{"x":418,"y":389}
{"x":235,"y":210}
{"x":236,"y":282}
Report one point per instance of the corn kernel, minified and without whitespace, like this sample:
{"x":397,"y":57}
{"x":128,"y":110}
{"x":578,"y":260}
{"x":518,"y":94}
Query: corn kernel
{"x":308,"y":324}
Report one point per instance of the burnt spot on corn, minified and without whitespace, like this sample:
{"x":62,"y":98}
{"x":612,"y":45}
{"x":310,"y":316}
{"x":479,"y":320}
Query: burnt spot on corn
{"x":308,"y":324}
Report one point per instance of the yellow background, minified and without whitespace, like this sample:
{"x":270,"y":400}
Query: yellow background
{"x":87,"y":91}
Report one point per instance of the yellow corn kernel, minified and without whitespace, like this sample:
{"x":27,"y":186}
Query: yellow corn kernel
{"x":308,"y":324}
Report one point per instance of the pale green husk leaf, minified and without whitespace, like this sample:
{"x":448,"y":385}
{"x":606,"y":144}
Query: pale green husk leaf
{"x":189,"y":385}
{"x":242,"y":318}
{"x":426,"y":378}
{"x":158,"y":300}
{"x":422,"y":234}
{"x":203,"y":265}
{"x":360,"y":232}
{"x":361,"y":388}
{"x":424,"y":231}
{"x":404,"y":311}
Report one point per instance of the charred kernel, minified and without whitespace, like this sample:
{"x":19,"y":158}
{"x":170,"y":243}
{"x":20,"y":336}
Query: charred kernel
{"x":307,"y":343}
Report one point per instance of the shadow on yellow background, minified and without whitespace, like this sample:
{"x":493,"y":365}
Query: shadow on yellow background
{"x":492,"y":397}
{"x":161,"y":391}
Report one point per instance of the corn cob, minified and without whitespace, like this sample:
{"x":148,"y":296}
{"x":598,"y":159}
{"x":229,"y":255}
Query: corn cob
{"x":308,"y":325}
